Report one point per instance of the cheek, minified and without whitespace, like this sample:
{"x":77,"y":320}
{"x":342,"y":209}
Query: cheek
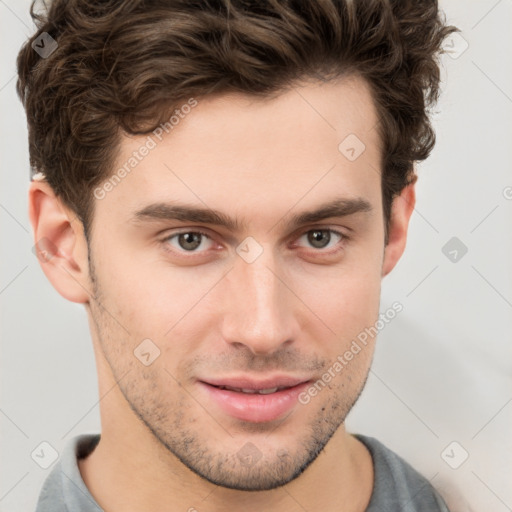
{"x":347,"y":311}
{"x":146,"y":293}
{"x":346,"y":297}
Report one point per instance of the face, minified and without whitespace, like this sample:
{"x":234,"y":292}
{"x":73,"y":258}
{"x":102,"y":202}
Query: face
{"x":270,"y":297}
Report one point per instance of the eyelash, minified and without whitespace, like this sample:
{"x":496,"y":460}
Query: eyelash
{"x":343,"y":239}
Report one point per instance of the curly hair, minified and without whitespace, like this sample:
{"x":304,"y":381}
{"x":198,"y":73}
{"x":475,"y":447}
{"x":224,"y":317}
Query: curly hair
{"x":122,"y":66}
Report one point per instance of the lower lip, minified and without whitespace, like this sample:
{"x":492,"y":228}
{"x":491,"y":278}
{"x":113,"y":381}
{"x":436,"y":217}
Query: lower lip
{"x":255,"y":407}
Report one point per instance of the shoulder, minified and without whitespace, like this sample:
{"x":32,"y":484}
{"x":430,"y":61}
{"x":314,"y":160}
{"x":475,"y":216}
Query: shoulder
{"x":64,"y":490}
{"x":397,"y":485}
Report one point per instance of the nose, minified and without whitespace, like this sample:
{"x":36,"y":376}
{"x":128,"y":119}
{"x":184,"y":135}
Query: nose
{"x":259,"y":306}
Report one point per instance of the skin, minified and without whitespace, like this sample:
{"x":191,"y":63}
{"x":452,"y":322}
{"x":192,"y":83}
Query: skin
{"x":164,"y":444}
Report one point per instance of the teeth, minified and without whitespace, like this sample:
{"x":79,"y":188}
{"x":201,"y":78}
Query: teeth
{"x":267,"y":391}
{"x":253,"y":391}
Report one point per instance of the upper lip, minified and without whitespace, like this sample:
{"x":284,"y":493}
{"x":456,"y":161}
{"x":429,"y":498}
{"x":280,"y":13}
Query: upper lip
{"x":245,"y":382}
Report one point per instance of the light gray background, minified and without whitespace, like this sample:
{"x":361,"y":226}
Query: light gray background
{"x":442,"y":368}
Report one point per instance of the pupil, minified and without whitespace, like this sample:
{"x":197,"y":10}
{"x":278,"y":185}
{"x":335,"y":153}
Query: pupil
{"x":316,"y":236}
{"x":190,"y":240}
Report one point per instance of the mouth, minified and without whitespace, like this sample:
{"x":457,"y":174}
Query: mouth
{"x":254,"y":401}
{"x":267,"y":391}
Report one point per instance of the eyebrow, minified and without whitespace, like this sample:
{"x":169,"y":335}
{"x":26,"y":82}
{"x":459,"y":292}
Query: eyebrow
{"x":340,"y":207}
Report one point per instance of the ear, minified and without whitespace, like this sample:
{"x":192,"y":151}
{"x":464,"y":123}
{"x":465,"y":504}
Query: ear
{"x":60,"y":243}
{"x":401,"y":210}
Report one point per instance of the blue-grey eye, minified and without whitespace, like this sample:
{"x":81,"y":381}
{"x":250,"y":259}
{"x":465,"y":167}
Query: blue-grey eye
{"x":320,"y":238}
{"x":188,"y":241}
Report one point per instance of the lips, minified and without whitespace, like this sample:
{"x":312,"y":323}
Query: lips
{"x":252,"y":391}
{"x":254,"y":400}
{"x":248,"y":385}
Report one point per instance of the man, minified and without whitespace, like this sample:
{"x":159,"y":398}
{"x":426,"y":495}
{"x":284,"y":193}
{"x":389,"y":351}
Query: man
{"x":223,"y":185}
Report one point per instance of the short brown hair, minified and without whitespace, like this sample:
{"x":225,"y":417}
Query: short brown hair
{"x":122,"y":66}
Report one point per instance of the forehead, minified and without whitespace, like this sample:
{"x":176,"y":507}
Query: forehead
{"x":313,"y":142}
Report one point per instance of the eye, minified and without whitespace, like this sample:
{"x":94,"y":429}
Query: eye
{"x":321,"y":238}
{"x":188,"y":241}
{"x":195,"y":242}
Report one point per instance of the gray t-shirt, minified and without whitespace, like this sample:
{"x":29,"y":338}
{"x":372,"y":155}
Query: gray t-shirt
{"x":397,"y":486}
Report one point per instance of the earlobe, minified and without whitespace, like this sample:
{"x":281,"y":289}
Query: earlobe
{"x":60,"y":244}
{"x":401,"y":211}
